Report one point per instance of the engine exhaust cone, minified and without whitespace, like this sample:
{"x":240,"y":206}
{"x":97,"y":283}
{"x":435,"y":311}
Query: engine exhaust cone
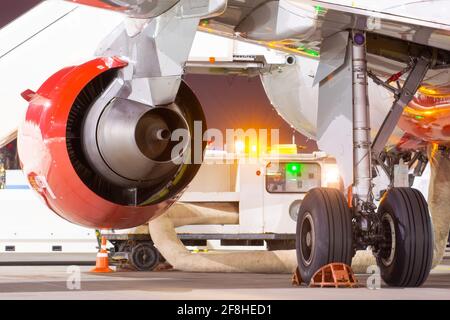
{"x":130,"y":143}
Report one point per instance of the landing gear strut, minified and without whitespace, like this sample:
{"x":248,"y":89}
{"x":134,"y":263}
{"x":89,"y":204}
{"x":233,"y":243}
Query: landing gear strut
{"x":399,"y":232}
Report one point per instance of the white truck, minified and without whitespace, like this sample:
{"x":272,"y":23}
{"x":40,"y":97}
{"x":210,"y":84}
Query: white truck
{"x":264,"y":192}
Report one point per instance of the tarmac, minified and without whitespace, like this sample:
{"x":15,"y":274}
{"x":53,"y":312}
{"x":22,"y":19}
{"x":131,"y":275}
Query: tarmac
{"x":46,"y":280}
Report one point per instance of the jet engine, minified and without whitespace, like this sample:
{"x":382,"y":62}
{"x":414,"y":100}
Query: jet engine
{"x":99,"y":159}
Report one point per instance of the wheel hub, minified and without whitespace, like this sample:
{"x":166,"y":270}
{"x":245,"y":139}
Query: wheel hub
{"x":387,"y":251}
{"x":307,"y":239}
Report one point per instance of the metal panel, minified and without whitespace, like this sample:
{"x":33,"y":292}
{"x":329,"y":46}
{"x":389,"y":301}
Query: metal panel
{"x":334,"y":120}
{"x":333,"y":52}
{"x":134,"y":8}
{"x":278,"y":20}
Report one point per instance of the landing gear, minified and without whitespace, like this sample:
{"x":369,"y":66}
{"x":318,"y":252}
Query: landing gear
{"x":324,"y":231}
{"x":406,"y":252}
{"x":400,"y":232}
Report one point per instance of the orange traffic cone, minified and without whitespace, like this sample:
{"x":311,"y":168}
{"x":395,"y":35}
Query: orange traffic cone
{"x":101,"y":263}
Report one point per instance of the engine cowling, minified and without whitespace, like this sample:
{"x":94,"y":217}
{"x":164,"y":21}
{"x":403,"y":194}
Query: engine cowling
{"x":105,"y":164}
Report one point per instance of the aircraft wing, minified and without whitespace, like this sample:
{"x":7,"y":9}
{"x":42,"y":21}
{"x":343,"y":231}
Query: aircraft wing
{"x":299,"y":26}
{"x":133,"y":8}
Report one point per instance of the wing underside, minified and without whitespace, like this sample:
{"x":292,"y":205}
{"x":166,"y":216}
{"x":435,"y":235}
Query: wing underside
{"x":299,"y":26}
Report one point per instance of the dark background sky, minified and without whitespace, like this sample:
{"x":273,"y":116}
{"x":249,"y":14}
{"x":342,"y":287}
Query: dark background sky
{"x":10,"y":9}
{"x":229,"y":101}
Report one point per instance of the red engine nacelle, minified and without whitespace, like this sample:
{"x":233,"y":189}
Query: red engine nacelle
{"x":427,"y":116}
{"x":55,"y":156}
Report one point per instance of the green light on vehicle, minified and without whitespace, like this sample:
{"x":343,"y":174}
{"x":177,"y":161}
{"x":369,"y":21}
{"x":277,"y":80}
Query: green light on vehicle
{"x":418,"y":117}
{"x":320,"y":9}
{"x":294,"y":168}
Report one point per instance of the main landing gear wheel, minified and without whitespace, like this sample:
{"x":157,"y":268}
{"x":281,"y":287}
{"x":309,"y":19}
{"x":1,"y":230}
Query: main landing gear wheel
{"x":324,"y":231}
{"x":406,"y":254}
{"x":144,"y":256}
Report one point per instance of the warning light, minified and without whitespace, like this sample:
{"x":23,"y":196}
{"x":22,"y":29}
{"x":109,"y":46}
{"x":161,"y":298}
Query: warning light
{"x":320,"y":10}
{"x":284,"y":149}
{"x":332,"y":176}
{"x":239,"y":146}
{"x":294,"y":168}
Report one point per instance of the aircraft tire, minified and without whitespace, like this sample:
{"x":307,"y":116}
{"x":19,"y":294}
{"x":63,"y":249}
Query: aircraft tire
{"x":324,"y":231}
{"x":406,"y":257}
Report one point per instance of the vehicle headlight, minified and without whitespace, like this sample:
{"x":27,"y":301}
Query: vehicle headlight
{"x":332,"y":176}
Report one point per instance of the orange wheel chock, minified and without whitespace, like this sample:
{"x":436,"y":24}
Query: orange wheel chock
{"x":334,"y":275}
{"x":297,"y":278}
